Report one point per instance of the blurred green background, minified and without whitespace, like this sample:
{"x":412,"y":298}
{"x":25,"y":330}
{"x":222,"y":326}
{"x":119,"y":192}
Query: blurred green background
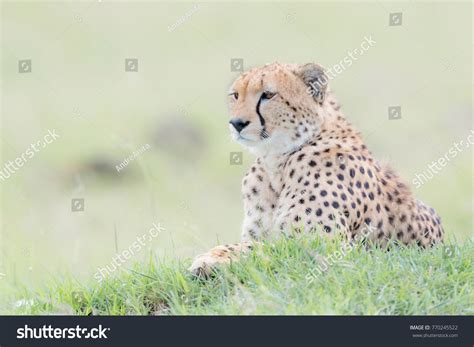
{"x":176,"y":103}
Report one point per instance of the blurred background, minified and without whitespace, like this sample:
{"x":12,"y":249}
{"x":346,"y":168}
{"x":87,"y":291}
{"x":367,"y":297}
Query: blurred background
{"x":168,"y":105}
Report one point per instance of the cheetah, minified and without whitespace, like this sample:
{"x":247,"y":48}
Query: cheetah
{"x":313,"y":172}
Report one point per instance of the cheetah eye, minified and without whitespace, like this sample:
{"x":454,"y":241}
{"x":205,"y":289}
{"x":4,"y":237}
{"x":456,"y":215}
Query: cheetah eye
{"x":267,"y":95}
{"x":234,"y":95}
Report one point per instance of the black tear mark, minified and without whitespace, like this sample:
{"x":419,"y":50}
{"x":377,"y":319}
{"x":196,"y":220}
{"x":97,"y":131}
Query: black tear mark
{"x":262,"y":120}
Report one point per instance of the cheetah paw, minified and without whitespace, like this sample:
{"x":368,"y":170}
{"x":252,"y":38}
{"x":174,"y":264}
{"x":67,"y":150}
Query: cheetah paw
{"x":204,"y":265}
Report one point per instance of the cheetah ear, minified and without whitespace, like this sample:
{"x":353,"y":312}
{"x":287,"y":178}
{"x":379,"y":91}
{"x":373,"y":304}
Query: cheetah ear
{"x":315,"y":78}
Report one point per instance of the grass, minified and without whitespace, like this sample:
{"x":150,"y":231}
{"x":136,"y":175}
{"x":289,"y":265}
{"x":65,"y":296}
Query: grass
{"x":276,"y":279}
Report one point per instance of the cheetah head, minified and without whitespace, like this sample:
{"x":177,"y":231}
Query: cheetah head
{"x":278,"y":107}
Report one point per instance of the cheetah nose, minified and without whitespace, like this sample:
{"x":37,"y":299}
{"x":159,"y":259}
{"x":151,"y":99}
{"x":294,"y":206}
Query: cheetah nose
{"x":239,"y":124}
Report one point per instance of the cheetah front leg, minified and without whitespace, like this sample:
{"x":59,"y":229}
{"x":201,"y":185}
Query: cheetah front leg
{"x":204,"y":264}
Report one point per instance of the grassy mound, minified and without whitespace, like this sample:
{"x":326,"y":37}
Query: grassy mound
{"x":288,"y":277}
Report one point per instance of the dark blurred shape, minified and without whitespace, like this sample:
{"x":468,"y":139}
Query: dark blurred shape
{"x":179,"y":137}
{"x":101,"y":167}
